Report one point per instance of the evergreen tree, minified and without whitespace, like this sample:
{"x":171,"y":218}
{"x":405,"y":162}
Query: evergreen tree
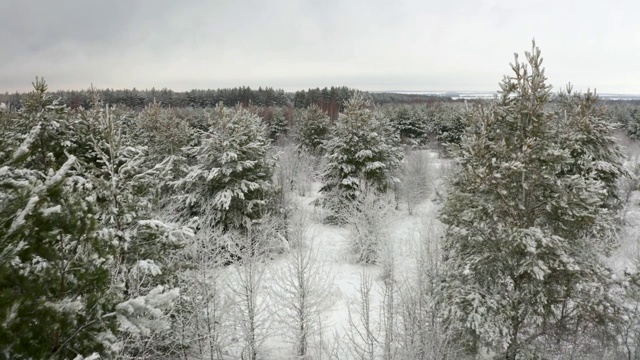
{"x":406,"y":122}
{"x":362,"y":152}
{"x":53,"y":273}
{"x":313,"y":129}
{"x":445,"y":124}
{"x":141,"y":240}
{"x":229,"y":184}
{"x":278,"y":127}
{"x":522,"y":251}
{"x":583,"y":128}
{"x":161,"y":131}
{"x":58,"y":266}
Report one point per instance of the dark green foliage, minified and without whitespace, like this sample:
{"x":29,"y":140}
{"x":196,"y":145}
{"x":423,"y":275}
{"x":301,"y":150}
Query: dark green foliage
{"x":409,"y":124}
{"x":53,"y":275}
{"x":161,"y":131}
{"x":279,"y":126}
{"x":587,"y":134}
{"x":231,"y":180}
{"x":80,"y":251}
{"x":446,"y":125}
{"x":362,"y":154}
{"x":313,"y":130}
{"x":435,"y":123}
{"x":628,"y":116}
{"x":139,"y":99}
{"x":528,"y":217}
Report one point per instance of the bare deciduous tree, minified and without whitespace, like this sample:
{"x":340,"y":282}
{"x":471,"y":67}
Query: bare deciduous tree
{"x":302,"y":285}
{"x":415,"y":184}
{"x":203,"y":322}
{"x":422,"y":334}
{"x":251,"y":250}
{"x":362,"y":333}
{"x":368,"y":220}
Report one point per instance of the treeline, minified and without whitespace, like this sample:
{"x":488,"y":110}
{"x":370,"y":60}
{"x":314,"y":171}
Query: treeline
{"x":138,"y":99}
{"x":331,"y":100}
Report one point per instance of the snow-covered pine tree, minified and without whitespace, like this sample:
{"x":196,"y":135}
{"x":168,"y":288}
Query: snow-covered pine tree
{"x":444,"y":123}
{"x":313,"y":129}
{"x":584,"y":129}
{"x":522,"y":262}
{"x":362,"y":152}
{"x":406,"y":121}
{"x":278,"y":128}
{"x":142,"y":241}
{"x":40,"y":110}
{"x":161,"y":131}
{"x":53,"y":273}
{"x":230,"y":180}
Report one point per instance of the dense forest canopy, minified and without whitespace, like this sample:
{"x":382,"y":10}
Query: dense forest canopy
{"x":331,"y":99}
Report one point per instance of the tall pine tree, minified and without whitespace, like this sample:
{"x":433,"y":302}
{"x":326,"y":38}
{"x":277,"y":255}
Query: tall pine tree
{"x":526,"y":216}
{"x":53,"y":273}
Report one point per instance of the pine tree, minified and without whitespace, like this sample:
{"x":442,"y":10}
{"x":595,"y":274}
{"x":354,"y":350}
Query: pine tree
{"x":407,"y":123}
{"x":278,"y":128}
{"x":313,"y":129}
{"x":142,"y":241}
{"x":362,"y":152}
{"x":53,"y":273}
{"x":229,"y":183}
{"x":58,"y":265}
{"x":522,"y":255}
{"x":588,"y":135}
{"x":161,"y":131}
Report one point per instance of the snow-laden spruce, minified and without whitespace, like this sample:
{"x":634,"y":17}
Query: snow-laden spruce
{"x":528,"y":216}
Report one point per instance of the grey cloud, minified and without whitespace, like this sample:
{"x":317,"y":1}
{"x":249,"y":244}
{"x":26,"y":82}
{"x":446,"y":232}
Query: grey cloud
{"x":374,"y":44}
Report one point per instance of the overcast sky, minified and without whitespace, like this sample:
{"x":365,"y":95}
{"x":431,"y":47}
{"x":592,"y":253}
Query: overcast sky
{"x":368,"y":44}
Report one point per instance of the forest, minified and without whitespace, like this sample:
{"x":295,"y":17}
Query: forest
{"x":322,"y":224}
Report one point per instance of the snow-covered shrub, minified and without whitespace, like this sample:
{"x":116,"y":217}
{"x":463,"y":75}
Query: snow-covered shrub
{"x":294,"y":171}
{"x":415,"y":182}
{"x":251,"y":312}
{"x":422,"y":332}
{"x":203,"y":317}
{"x":367,"y":218}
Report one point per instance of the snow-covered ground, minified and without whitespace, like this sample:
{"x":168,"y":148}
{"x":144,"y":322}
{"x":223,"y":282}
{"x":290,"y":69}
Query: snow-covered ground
{"x":404,"y":230}
{"x":628,"y":252}
{"x":331,"y":242}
